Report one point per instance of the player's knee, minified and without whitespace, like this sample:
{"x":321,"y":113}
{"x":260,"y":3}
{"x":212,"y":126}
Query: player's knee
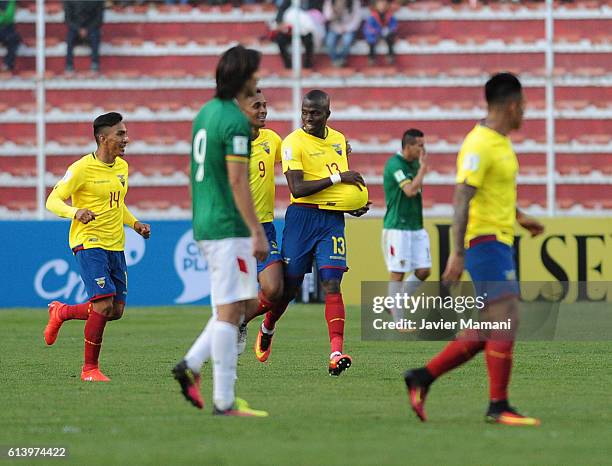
{"x":116,"y":314}
{"x":331,"y":286}
{"x":422,"y":274}
{"x":273,"y":292}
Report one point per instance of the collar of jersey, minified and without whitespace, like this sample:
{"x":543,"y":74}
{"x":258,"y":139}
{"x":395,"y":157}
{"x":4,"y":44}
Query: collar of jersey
{"x":316,"y":137}
{"x":109,"y":165}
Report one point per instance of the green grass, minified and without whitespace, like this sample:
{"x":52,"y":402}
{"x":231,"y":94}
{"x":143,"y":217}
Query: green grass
{"x":361,"y":417}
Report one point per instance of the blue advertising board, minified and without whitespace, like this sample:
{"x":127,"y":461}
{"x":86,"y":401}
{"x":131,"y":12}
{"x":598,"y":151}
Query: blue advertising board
{"x":38,"y":266}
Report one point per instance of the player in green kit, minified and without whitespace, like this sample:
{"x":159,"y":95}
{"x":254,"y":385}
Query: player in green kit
{"x":405,"y":242}
{"x":226,"y":228}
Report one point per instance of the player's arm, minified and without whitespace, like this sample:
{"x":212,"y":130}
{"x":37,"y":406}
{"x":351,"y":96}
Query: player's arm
{"x":56,"y":202}
{"x":412,"y":187}
{"x":143,"y":229}
{"x":529,"y":223}
{"x":301,"y":188}
{"x":238,"y":175}
{"x":463,"y":195}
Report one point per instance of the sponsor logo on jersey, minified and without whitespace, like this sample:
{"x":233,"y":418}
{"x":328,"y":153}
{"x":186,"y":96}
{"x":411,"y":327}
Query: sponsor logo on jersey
{"x":121,"y":179}
{"x":287,"y":154}
{"x":101,"y":281}
{"x":337,"y":148}
{"x":266,"y":146}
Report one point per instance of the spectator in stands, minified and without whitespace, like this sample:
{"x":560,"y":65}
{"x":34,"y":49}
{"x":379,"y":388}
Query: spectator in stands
{"x":381,"y":24}
{"x":84,"y":21}
{"x":9,"y":37}
{"x":286,"y":18}
{"x":344,"y":18}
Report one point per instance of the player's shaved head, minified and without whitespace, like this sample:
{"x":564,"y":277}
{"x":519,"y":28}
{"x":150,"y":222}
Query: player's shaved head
{"x":103,"y":123}
{"x":316,"y":97}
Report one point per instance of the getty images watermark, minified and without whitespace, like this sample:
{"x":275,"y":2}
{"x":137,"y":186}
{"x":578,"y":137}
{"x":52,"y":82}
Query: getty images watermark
{"x":435,"y":311}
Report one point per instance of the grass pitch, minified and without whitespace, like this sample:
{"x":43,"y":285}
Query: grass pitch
{"x":362,"y":417}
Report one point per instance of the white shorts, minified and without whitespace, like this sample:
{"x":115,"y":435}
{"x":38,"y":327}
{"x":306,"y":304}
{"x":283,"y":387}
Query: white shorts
{"x":406,"y":250}
{"x":232,"y":268}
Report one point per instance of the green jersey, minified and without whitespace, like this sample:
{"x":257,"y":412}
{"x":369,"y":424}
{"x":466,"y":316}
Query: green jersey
{"x":220,"y":133}
{"x":403,"y":212}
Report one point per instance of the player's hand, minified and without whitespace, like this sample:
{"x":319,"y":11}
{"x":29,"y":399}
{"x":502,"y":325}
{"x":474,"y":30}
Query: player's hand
{"x":530,"y":224}
{"x":84,"y":216}
{"x":352,"y":177}
{"x":454,"y":268}
{"x":362,"y":211}
{"x":143,"y":229}
{"x":260,"y":245}
{"x":423,"y":162}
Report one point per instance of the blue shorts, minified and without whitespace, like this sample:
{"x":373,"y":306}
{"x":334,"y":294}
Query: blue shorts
{"x":274,"y":255}
{"x":313,"y":233}
{"x":103,"y":272}
{"x":492,"y":268}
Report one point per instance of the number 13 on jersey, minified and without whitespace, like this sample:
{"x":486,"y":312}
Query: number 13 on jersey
{"x":199,"y":154}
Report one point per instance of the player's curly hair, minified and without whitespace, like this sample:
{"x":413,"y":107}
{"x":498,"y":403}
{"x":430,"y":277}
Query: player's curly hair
{"x":235,"y":67}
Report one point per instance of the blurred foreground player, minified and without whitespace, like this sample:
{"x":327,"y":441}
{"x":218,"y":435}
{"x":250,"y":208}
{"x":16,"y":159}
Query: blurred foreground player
{"x":97,"y":184}
{"x":483,"y":235}
{"x":226,"y":228}
{"x":265,"y":152}
{"x":322,"y":188}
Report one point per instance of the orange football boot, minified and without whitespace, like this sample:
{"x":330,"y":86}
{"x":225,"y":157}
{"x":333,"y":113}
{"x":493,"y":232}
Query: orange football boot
{"x":93,"y":375}
{"x":263,"y":345}
{"x":54,"y":323}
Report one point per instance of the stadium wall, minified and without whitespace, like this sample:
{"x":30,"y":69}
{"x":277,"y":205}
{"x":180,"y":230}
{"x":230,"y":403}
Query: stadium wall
{"x":167,"y":269}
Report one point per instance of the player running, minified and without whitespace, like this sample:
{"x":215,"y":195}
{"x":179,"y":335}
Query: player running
{"x":405,"y":242}
{"x":322,"y":189}
{"x":97,"y":184}
{"x":483,"y":235}
{"x":265,"y":152}
{"x":226,"y":228}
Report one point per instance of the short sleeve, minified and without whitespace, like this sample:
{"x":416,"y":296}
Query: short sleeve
{"x":277,"y":147}
{"x":291,"y":154}
{"x":71,"y":182}
{"x":398,"y":174}
{"x":236,"y":140}
{"x":472,"y":166}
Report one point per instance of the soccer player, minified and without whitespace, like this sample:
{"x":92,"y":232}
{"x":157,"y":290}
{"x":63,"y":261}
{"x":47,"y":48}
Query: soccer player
{"x":322,"y":189}
{"x":226,"y":228}
{"x":265,"y":152}
{"x":97,"y":184}
{"x":404,"y":240}
{"x":483,"y":234}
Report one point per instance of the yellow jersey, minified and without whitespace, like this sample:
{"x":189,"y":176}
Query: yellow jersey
{"x":100,"y":187}
{"x":487,"y":162}
{"x":265,"y":152}
{"x":319,"y":158}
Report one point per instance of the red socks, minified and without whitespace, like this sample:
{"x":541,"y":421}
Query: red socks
{"x":94,"y":328}
{"x":498,"y":355}
{"x":275,"y":313}
{"x":75,"y":311}
{"x":334,"y":315}
{"x":264,"y":305}
{"x":458,"y":351}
